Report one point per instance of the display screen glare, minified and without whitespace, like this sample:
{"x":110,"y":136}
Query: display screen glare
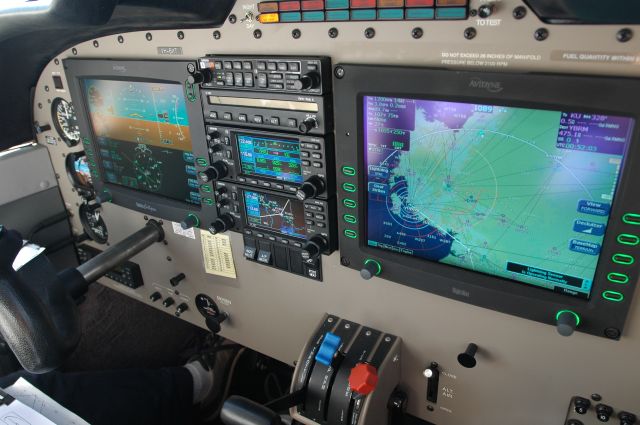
{"x":142,"y":130}
{"x":268,"y":157}
{"x":276,"y":213}
{"x":523,"y":194}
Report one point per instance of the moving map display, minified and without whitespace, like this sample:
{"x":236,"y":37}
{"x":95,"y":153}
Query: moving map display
{"x":142,"y":130}
{"x":523,"y":194}
{"x":276,"y":213}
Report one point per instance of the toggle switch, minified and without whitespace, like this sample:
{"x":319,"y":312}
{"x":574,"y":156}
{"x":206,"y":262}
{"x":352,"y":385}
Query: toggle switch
{"x":432,"y":373}
{"x":175,"y":281}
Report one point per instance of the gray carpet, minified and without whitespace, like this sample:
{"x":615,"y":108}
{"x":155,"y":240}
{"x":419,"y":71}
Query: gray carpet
{"x":119,"y":332}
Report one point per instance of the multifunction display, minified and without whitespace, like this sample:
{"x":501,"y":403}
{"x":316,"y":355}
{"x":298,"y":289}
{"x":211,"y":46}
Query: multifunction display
{"x":523,"y":194}
{"x":275,"y":213}
{"x":270,"y":157}
{"x":142,"y":131}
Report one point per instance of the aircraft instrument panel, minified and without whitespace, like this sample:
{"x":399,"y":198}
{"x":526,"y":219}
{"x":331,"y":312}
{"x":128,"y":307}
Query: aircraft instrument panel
{"x":434,"y":192}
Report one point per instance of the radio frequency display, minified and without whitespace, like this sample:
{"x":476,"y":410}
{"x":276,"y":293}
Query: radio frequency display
{"x":263,"y":156}
{"x":523,"y":194}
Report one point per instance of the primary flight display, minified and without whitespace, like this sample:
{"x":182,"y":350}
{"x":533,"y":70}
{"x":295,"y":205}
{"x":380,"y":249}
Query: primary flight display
{"x":142,"y":130}
{"x":519,"y":193}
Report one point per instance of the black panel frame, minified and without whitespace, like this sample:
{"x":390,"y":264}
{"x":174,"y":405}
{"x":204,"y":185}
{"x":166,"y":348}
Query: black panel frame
{"x":174,"y":72}
{"x":599,"y":316}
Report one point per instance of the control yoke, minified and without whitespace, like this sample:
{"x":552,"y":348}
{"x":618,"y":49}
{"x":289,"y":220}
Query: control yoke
{"x":38,"y":314}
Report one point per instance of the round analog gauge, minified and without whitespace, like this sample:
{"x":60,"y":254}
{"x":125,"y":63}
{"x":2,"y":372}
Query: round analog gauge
{"x":65,"y":121}
{"x":92,"y":223}
{"x":78,"y":171}
{"x":206,"y":306}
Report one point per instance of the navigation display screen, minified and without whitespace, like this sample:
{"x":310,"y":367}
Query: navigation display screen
{"x":263,"y":156}
{"x":142,"y":130}
{"x":523,"y":194}
{"x":275,"y":213}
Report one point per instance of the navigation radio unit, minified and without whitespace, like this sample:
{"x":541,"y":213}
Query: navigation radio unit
{"x":498,"y":194}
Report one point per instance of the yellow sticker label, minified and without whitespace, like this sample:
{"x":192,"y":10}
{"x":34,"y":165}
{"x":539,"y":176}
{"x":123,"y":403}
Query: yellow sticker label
{"x":217,"y":255}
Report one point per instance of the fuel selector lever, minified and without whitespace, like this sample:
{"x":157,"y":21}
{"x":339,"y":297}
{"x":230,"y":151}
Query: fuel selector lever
{"x":315,"y":246}
{"x":311,"y":188}
{"x":222,"y":224}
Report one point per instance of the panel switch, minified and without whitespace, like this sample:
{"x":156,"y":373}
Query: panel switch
{"x":432,"y":373}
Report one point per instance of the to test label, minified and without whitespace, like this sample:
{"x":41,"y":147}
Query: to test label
{"x":178,"y":230}
{"x":217,"y":255}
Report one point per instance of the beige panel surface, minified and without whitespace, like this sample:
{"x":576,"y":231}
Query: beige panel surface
{"x":526,"y":373}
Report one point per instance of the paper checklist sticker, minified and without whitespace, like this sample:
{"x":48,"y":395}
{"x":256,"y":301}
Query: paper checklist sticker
{"x":187,"y":233}
{"x":216,"y":251}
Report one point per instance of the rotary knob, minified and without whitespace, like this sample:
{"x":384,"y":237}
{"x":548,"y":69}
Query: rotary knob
{"x":314,"y":247}
{"x":181,"y":309}
{"x":603,"y":412}
{"x":581,"y":405}
{"x":370,"y":268}
{"x":218,"y":170}
{"x":307,"y":81}
{"x":307,"y":125}
{"x":200,"y":77}
{"x":485,"y":10}
{"x":311,"y":188}
{"x":566,"y":322}
{"x":191,"y":220}
{"x":222,"y":224}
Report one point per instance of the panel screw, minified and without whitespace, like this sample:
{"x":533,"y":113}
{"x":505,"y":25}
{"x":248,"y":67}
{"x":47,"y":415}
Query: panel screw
{"x":333,"y":32}
{"x":430,"y":408}
{"x":257,"y":34}
{"x":39,"y":105}
{"x":612,"y":333}
{"x":148,"y":36}
{"x":369,"y":32}
{"x":541,"y":34}
{"x":596,"y":397}
{"x":56,"y":61}
{"x":217,"y":35}
{"x":470,"y":33}
{"x":168,"y":258}
{"x":417,"y":33}
{"x":74,"y":51}
{"x":519,"y":12}
{"x":120,"y":39}
{"x":180,"y":35}
{"x":624,"y":35}
{"x":46,"y":88}
{"x":232,"y":19}
{"x":339,"y":72}
{"x":473,"y":12}
{"x":296,"y":33}
{"x":95,"y":43}
{"x":345,"y":261}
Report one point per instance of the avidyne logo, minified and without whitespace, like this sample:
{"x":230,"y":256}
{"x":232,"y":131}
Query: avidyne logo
{"x":490,"y":86}
{"x":146,"y":207}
